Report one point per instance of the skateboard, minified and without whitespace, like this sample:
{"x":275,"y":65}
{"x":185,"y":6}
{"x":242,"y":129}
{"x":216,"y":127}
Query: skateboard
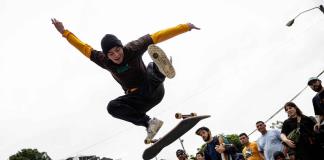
{"x":187,"y":122}
{"x":161,"y":60}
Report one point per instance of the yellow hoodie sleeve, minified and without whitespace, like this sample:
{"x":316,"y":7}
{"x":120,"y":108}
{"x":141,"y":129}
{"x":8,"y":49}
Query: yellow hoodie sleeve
{"x":84,"y":48}
{"x":168,"y":33}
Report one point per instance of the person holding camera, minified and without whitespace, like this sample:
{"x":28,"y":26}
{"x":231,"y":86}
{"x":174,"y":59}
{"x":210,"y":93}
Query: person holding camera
{"x":217,"y":148}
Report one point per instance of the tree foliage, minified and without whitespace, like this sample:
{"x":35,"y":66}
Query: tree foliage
{"x":30,"y":154}
{"x":276,"y":125}
{"x":235,"y":139}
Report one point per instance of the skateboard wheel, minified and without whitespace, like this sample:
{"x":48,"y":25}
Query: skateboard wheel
{"x":178,"y":115}
{"x":193,"y":114}
{"x":147,"y":141}
{"x":155,"y":55}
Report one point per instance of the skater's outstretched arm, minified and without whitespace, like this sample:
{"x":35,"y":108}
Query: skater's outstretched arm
{"x":84,"y":48}
{"x":168,"y":33}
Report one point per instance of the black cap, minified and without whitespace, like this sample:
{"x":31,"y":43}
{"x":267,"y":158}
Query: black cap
{"x":202,"y":128}
{"x":180,"y":152}
{"x":312,"y":79}
{"x":108,"y":42}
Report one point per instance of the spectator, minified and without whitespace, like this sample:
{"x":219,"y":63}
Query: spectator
{"x":216,"y":147}
{"x":297,"y":133}
{"x":316,"y":85}
{"x":279,"y":155}
{"x":200,"y":156}
{"x":269,"y":142}
{"x":318,"y":103}
{"x":181,"y":155}
{"x":250,"y":150}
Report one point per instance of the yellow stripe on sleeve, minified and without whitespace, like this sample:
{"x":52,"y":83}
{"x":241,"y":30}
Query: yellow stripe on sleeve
{"x":168,"y":33}
{"x":84,"y":48}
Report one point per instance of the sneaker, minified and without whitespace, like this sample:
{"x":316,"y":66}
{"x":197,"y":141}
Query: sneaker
{"x":154,"y":126}
{"x":161,"y":60}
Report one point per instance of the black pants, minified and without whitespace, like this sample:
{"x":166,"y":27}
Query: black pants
{"x":132,"y":107}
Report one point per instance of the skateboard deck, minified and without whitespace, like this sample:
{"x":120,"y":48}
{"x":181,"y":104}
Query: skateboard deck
{"x":183,"y":126}
{"x":161,"y":60}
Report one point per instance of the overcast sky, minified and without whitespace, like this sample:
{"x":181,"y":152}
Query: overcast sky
{"x":241,"y":67}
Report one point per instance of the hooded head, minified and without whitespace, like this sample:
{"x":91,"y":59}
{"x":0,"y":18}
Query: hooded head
{"x":112,"y":48}
{"x":108,"y":42}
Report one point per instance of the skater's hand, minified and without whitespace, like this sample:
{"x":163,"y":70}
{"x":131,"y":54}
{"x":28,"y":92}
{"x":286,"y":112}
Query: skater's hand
{"x":58,"y":25}
{"x":192,"y":26}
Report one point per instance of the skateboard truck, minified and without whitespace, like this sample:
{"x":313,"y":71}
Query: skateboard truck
{"x":149,"y":141}
{"x":184,"y":116}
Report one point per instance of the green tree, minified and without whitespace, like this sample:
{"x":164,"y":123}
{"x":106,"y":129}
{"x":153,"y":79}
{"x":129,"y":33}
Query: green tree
{"x":30,"y":154}
{"x":235,"y":139}
{"x":276,"y":125}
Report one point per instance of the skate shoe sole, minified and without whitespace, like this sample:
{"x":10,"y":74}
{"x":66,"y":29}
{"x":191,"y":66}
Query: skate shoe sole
{"x":161,"y":60}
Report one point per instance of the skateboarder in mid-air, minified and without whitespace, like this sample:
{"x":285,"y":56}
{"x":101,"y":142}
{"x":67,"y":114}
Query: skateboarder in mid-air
{"x":143,"y":86}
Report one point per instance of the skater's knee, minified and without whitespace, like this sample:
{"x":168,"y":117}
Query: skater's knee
{"x":111,"y":108}
{"x":160,"y":92}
